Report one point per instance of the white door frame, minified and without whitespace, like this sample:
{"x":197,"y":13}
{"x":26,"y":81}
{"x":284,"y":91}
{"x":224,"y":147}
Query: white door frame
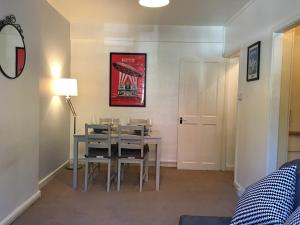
{"x":274,"y":140}
{"x":225,"y":165}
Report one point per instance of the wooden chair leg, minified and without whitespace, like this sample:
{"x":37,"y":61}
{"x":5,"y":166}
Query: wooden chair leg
{"x":108,"y":175}
{"x":86,"y":175}
{"x":141,"y":175}
{"x":123,"y":170}
{"x":99,"y":168}
{"x":119,"y":175}
{"x":147,"y":168}
{"x":91,"y":170}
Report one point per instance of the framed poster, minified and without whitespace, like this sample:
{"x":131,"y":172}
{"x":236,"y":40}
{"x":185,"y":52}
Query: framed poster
{"x":20,"y":60}
{"x":128,"y":79}
{"x":253,"y":62}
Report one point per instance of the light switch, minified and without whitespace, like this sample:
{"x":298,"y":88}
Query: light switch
{"x":240,"y":96}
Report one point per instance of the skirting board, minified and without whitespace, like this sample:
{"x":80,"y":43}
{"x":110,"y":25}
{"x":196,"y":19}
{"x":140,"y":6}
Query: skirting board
{"x":20,"y":209}
{"x":48,"y":178}
{"x":229,"y":168}
{"x":164,"y":164}
{"x":239,"y":189}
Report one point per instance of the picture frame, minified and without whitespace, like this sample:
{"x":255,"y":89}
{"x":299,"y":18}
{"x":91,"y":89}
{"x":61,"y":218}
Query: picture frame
{"x":253,"y":62}
{"x":127,"y":86}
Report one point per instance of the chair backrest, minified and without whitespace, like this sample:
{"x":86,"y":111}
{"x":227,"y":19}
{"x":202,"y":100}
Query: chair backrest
{"x":131,"y":137}
{"x":105,"y":120}
{"x":145,"y":122}
{"x":114,"y":121}
{"x":101,"y":139}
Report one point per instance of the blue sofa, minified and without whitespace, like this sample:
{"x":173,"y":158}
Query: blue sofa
{"x":205,"y":220}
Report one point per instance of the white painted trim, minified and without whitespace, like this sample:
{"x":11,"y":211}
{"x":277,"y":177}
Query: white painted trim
{"x":229,"y":168}
{"x":287,"y":24}
{"x":20,"y":209}
{"x":239,"y":188}
{"x":273,"y":137}
{"x":172,"y":164}
{"x":237,"y":144}
{"x":48,"y":178}
{"x":238,"y":13}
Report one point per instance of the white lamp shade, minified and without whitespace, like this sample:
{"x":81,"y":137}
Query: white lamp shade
{"x":65,"y":87}
{"x":154,"y":3}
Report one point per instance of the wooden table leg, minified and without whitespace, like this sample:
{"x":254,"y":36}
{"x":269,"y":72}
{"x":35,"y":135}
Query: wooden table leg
{"x":157,"y":165}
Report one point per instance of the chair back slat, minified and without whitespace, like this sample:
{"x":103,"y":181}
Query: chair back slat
{"x":115,"y":121}
{"x":98,"y":145}
{"x":144,"y":122}
{"x":95,"y":140}
{"x":92,"y":136}
{"x":134,"y":136}
{"x":130,"y":146}
{"x":105,"y":120}
{"x":131,"y":137}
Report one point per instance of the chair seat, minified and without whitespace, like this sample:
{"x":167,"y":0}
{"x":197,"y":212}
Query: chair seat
{"x":99,"y":131}
{"x":134,"y":153}
{"x":97,"y":152}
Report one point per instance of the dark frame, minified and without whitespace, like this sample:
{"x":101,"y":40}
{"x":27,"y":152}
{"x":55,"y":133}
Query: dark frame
{"x":11,"y":21}
{"x":110,"y":79}
{"x":255,"y":76}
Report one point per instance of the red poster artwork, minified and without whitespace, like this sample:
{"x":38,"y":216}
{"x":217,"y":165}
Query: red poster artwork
{"x":20,"y":60}
{"x":128,"y":79}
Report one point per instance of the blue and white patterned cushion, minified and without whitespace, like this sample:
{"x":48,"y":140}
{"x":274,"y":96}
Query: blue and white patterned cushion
{"x":269,"y":201}
{"x":294,"y":219}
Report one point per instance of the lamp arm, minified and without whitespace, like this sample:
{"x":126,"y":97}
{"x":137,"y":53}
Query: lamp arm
{"x":68,"y":99}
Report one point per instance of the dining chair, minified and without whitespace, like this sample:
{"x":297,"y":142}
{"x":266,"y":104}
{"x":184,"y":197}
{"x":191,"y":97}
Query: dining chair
{"x":105,"y":120}
{"x":131,"y":150}
{"x":115,"y":121}
{"x":98,"y":150}
{"x":145,"y":122}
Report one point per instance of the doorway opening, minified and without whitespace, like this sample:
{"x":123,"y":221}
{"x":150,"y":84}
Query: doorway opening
{"x":289,"y":112}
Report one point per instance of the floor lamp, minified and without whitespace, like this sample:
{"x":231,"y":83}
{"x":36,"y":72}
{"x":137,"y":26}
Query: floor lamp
{"x":67,"y":87}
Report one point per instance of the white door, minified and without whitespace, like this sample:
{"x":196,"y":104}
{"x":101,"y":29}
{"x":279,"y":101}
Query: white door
{"x":201,"y":99}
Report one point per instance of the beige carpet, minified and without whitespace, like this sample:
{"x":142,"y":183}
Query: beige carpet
{"x":182,"y":192}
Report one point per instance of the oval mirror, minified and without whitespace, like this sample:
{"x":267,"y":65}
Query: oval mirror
{"x":13,"y":52}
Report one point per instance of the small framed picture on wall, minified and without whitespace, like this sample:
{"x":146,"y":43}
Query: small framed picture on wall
{"x":253,"y":62}
{"x":128,"y":79}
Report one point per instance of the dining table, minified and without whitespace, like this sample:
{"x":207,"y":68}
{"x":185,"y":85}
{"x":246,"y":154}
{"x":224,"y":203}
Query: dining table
{"x":153,"y":138}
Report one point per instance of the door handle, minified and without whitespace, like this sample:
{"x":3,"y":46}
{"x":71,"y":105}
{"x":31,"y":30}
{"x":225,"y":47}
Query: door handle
{"x":181,"y":120}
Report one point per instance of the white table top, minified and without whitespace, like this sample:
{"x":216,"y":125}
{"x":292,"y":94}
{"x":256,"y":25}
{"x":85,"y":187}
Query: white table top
{"x":155,"y":134}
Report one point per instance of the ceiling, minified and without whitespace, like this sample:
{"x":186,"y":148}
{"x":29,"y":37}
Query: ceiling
{"x":178,"y":12}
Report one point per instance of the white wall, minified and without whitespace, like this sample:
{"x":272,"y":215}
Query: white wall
{"x":54,"y":124}
{"x":20,"y":115}
{"x":258,"y":111}
{"x":164,"y":45}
